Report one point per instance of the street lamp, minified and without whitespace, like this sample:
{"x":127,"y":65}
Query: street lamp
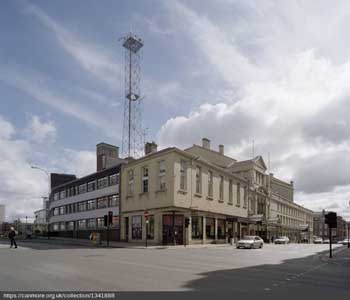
{"x":48,"y":194}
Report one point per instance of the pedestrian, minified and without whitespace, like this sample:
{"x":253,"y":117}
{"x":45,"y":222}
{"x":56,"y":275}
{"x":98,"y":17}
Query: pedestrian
{"x":12,"y":235}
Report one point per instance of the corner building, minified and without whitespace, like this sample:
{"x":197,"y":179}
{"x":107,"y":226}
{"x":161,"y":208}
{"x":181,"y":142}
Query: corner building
{"x":173,"y":185}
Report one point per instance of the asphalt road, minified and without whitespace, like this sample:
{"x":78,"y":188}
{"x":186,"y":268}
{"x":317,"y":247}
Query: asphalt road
{"x":275,"y":269}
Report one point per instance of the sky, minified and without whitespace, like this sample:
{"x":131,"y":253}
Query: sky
{"x":273,"y":72}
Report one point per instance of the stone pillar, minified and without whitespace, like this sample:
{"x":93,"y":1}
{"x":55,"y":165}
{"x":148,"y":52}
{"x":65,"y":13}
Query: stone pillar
{"x":216,"y":229}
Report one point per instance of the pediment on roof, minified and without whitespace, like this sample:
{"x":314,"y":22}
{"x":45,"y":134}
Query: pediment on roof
{"x":260,"y":162}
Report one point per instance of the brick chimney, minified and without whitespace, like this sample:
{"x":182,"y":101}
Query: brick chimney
{"x":221,"y":149}
{"x":206,"y":143}
{"x":150,"y":148}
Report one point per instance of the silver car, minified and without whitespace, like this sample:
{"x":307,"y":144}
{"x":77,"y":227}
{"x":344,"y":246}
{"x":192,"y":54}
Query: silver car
{"x":250,"y":242}
{"x":282,"y":240}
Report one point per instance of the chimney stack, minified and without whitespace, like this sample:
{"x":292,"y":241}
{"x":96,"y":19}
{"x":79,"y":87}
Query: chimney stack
{"x":221,"y":149}
{"x":206,"y":143}
{"x":107,"y":156}
{"x":150,"y":148}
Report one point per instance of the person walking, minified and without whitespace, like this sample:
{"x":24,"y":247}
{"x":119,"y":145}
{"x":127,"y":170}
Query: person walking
{"x":12,"y":235}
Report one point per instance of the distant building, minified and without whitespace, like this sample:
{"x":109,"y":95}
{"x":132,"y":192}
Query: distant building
{"x":2,"y":213}
{"x":321,"y":229}
{"x":77,"y":206}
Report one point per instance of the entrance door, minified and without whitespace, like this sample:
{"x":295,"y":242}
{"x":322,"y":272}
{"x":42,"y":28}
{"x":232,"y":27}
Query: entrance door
{"x":173,"y":229}
{"x":126,"y":229}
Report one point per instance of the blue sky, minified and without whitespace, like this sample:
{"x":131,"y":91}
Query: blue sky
{"x":233,"y":71}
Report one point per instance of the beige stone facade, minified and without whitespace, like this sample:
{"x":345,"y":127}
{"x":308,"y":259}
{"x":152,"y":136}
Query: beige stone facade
{"x":199,"y":195}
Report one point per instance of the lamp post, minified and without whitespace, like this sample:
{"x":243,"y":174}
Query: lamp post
{"x":48,"y":194}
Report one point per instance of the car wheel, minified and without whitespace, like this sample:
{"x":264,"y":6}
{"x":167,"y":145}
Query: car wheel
{"x":261,"y":245}
{"x":251,"y":246}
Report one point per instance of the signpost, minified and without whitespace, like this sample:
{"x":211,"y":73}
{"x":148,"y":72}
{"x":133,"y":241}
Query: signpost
{"x":331,"y":221}
{"x":147,"y":221}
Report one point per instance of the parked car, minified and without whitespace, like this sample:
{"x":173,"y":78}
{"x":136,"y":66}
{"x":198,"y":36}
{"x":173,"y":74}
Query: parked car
{"x":326,"y":241}
{"x":318,"y":240}
{"x":282,"y":240}
{"x":344,"y":242}
{"x":250,"y":242}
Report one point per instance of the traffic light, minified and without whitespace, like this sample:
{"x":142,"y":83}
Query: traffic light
{"x":331,"y":219}
{"x":187,"y":222}
{"x":105,"y":220}
{"x":110,"y":217}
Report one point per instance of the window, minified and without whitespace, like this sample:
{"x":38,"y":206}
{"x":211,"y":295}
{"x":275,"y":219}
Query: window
{"x":145,"y":180}
{"x":100,"y":223}
{"x":91,"y":204}
{"x":197,"y":227}
{"x":150,"y":229}
{"x":82,"y":224}
{"x":56,"y":211}
{"x":245,"y":196}
{"x":102,"y":183}
{"x":81,"y":206}
{"x":114,"y":179}
{"x":62,"y":194}
{"x":230,"y":194}
{"x":102,"y":202}
{"x":91,"y":223}
{"x":56,"y":196}
{"x":130,"y":182}
{"x":113,"y":200}
{"x":72,"y":191}
{"x":62,"y":210}
{"x":70,"y":225}
{"x":136,"y":228}
{"x":182,"y":175}
{"x":221,"y":194}
{"x":210,"y":228}
{"x":238,"y":194}
{"x":55,"y":226}
{"x":221,"y":229}
{"x":162,"y":171}
{"x":62,"y":226}
{"x":210,"y":184}
{"x":198,"y":180}
{"x":82,"y":188}
{"x":91,"y":186}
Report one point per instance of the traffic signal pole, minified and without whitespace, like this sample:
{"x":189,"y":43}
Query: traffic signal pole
{"x":330,"y":241}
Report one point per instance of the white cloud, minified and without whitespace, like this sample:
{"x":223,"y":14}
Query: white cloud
{"x":41,"y":131}
{"x":21,"y":186}
{"x":290,"y":91}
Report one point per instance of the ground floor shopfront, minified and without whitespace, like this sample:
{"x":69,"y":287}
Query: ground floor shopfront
{"x":174,"y":226}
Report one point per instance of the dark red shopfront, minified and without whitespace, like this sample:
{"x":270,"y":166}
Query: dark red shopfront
{"x":173,"y":231}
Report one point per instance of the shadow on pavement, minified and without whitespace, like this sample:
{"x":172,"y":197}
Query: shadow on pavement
{"x":52,"y":244}
{"x":312,"y":275}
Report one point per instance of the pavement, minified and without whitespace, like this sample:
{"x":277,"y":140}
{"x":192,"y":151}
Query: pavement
{"x":274,"y":270}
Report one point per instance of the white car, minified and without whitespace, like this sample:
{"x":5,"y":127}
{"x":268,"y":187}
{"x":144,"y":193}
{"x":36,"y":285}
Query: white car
{"x":282,"y":240}
{"x":318,"y":240}
{"x":250,"y":242}
{"x":344,"y":242}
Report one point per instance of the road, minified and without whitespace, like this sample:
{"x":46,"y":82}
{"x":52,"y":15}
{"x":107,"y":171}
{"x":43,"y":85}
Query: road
{"x":275,"y":269}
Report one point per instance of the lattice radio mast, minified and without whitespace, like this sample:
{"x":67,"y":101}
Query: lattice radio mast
{"x":132,"y":128}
